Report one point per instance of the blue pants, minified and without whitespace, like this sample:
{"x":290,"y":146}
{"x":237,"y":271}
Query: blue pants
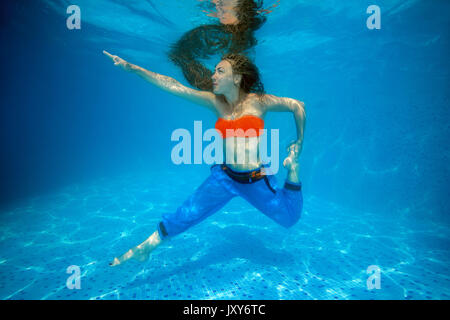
{"x":283,"y":205}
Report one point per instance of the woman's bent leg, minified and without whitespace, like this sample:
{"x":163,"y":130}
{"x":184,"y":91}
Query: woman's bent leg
{"x":283,"y":205}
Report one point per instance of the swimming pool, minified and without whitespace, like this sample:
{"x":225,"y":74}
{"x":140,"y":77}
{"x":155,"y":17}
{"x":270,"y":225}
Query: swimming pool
{"x":88,"y":172}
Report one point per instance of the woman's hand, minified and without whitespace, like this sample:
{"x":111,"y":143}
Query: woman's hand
{"x":291,"y":161}
{"x":119,"y":61}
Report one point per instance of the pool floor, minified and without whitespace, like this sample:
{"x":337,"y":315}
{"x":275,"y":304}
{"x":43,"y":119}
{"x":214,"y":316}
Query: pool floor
{"x":237,"y":253}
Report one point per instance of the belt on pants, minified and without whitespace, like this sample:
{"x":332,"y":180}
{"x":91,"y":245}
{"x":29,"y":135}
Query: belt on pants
{"x":244,"y":177}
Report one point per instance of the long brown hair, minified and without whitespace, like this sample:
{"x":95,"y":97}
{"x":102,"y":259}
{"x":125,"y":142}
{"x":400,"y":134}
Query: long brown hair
{"x":249,"y":16}
{"x":207,"y":40}
{"x":251,"y":79}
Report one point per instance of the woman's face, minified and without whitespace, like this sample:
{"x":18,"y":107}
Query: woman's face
{"x":224,"y":80}
{"x":227,"y":11}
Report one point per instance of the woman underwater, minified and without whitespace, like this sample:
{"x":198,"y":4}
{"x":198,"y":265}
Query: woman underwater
{"x":239,"y":19}
{"x":238,"y":100}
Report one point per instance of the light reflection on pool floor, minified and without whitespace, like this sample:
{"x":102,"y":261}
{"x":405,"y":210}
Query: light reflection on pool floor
{"x":237,"y":253}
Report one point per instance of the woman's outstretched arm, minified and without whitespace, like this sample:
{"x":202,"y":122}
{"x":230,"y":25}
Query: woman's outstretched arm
{"x":204,"y":98}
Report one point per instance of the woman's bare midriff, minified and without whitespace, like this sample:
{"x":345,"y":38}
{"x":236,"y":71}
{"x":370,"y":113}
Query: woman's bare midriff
{"x":245,"y":151}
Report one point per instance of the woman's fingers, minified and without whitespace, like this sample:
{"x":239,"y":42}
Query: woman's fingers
{"x":293,"y":147}
{"x":116,"y":59}
{"x":287,"y":162}
{"x":108,"y":54}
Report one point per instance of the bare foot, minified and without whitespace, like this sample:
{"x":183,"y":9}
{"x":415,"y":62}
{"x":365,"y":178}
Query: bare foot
{"x":140,"y":252}
{"x":293,"y":166}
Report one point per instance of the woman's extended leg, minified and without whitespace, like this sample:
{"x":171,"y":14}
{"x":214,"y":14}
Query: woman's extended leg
{"x":140,"y":252}
{"x":207,"y":199}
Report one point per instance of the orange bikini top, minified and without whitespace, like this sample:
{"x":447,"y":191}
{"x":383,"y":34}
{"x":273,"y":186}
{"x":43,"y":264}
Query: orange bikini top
{"x":245,"y":123}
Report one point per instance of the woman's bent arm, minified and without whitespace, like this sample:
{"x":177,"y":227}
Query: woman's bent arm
{"x":274,"y":103}
{"x":168,"y":84}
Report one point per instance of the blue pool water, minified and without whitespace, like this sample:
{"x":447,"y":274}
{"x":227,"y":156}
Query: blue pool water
{"x":86,"y":170}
